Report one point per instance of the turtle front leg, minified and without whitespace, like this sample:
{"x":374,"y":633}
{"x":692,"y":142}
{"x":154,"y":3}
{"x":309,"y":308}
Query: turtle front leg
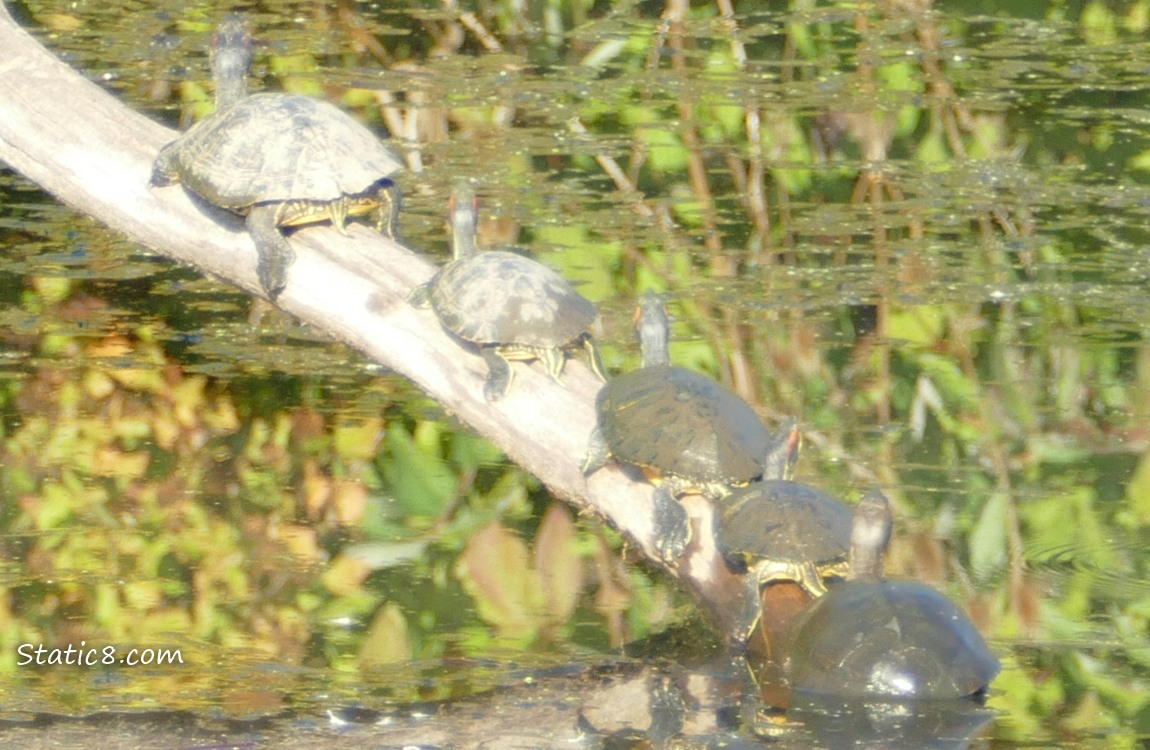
{"x":337,"y":211}
{"x":672,"y":525}
{"x":165,"y":170}
{"x":554,"y":359}
{"x":499,"y":374}
{"x":811,"y":580}
{"x":275,"y":253}
{"x":420,"y":296}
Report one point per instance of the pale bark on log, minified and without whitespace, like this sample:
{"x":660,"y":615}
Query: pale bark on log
{"x":87,"y":149}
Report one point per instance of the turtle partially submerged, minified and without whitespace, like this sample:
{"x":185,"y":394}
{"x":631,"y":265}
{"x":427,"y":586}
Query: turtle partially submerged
{"x":871,"y":638}
{"x":778,"y":530}
{"x":687,"y":432}
{"x":510,"y":307}
{"x":280,"y":159}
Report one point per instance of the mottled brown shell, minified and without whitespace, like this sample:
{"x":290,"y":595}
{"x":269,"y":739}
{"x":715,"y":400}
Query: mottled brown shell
{"x":680,"y":422}
{"x":270,"y":148}
{"x":499,"y":297}
{"x":783,"y":521}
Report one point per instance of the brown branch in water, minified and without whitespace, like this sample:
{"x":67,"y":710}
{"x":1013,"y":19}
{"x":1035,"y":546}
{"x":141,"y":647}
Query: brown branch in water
{"x":476,"y":27}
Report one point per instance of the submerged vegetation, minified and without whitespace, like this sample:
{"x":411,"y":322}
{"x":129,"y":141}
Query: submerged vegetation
{"x":918,"y":229}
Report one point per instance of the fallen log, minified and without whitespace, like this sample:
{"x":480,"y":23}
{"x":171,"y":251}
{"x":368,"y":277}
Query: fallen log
{"x":83,"y":146}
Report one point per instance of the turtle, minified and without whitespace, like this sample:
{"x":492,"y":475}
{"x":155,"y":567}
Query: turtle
{"x":686,"y":431}
{"x":781,"y":530}
{"x":511,"y":307}
{"x":876,"y":639}
{"x":281,"y":160}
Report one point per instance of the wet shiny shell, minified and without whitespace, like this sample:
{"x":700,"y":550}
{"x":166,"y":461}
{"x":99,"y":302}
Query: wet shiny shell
{"x":784,"y":521}
{"x":681,"y":422}
{"x":278,"y":147}
{"x":892,"y":640}
{"x":498,"y":297}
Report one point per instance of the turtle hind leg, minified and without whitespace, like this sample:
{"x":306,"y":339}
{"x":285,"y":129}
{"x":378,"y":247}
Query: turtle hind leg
{"x":593,"y":357}
{"x":499,"y":374}
{"x":672,"y":525}
{"x":752,"y":608}
{"x":275,"y":253}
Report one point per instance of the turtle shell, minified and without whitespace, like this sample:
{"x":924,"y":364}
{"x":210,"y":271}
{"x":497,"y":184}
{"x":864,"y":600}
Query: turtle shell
{"x":680,"y":422}
{"x":269,"y":148}
{"x":888,"y":640}
{"x":499,"y":297}
{"x":784,"y":521}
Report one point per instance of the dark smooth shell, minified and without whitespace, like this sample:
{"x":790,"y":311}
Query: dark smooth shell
{"x":681,"y":422}
{"x":889,"y":640}
{"x":498,"y":297}
{"x":270,"y":148}
{"x":786,"y":521}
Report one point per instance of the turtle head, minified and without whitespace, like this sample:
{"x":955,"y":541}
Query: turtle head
{"x":464,"y":218}
{"x":231,"y":57}
{"x":870,"y":533}
{"x":653,"y":326}
{"x":784,"y":452}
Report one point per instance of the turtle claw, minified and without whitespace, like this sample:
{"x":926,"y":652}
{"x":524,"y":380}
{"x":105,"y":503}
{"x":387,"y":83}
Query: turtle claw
{"x":672,"y":545}
{"x":499,"y":374}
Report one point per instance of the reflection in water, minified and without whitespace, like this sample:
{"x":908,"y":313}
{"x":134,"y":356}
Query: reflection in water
{"x":948,"y":725}
{"x":610,"y":706}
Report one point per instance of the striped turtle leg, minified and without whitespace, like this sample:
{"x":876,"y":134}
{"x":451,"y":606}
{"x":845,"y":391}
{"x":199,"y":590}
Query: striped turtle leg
{"x":387,"y":211}
{"x":553,"y":359}
{"x":593,"y":357}
{"x":337,"y":211}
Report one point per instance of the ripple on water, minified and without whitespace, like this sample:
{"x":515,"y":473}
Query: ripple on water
{"x":1118,"y":574}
